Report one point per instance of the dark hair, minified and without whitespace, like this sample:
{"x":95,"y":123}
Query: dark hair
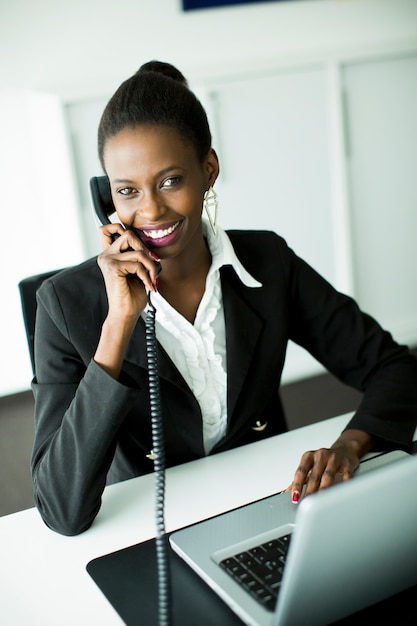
{"x":157,"y":94}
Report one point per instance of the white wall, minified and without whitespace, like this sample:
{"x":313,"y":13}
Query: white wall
{"x":82,"y":50}
{"x":39,"y":212}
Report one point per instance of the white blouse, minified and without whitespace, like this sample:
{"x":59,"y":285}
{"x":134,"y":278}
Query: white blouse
{"x":199,"y":350}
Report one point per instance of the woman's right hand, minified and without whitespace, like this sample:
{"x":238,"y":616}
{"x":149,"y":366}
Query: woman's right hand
{"x":128,"y":270}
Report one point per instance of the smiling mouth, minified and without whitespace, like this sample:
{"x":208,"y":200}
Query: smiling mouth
{"x":161,"y":232}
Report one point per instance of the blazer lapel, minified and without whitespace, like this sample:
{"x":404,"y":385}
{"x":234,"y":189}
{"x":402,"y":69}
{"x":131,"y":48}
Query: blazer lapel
{"x":137,"y":355}
{"x":243,"y":327}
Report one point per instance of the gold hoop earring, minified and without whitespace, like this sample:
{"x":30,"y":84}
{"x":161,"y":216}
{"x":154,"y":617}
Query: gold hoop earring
{"x":211,"y":202}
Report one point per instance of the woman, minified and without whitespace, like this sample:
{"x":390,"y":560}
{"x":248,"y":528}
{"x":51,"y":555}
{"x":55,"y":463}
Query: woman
{"x":227,"y":304}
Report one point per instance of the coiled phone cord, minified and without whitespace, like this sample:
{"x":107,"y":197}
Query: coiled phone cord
{"x":162,"y":555}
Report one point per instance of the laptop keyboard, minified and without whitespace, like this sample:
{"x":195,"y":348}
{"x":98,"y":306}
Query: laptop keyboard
{"x":259,"y":570}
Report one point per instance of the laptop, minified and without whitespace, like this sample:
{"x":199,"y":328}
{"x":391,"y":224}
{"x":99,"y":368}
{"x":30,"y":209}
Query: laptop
{"x":347,"y":548}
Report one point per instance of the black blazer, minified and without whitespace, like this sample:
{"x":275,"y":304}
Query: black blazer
{"x":92,"y":429}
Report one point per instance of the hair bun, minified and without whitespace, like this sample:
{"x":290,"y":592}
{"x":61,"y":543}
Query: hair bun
{"x":163,"y":68}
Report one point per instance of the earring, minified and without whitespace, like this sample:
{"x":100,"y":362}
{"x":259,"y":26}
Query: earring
{"x":211,"y":202}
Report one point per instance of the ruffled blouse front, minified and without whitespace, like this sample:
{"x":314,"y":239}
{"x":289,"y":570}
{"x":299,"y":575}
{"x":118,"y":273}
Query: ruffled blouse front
{"x":199,"y":350}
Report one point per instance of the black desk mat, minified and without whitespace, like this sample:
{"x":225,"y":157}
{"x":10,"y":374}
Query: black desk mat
{"x":128,"y":579}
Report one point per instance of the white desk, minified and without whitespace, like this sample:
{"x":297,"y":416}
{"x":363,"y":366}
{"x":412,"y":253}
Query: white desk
{"x":43,"y":580}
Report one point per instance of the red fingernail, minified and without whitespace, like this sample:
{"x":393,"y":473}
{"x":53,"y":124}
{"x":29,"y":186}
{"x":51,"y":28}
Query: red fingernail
{"x":155,"y":285}
{"x":153,"y":255}
{"x":295,"y":497}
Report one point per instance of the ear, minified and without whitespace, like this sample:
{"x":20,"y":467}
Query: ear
{"x":212,"y":167}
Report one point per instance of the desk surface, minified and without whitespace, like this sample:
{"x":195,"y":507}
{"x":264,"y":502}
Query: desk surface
{"x":43,"y":578}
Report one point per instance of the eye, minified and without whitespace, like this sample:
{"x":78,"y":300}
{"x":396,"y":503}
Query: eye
{"x":126,"y":191}
{"x":172,"y":181}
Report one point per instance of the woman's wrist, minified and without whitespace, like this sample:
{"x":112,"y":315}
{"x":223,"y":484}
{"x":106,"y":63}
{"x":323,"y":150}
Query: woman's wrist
{"x":358,"y":442}
{"x":111,"y":349}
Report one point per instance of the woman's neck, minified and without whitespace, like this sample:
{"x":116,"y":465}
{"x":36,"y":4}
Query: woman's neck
{"x":182,"y":281}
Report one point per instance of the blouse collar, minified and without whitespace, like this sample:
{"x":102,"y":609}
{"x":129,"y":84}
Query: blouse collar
{"x":222,"y":253}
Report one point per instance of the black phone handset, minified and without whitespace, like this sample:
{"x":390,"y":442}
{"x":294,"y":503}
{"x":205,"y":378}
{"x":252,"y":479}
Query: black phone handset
{"x":104,"y":208}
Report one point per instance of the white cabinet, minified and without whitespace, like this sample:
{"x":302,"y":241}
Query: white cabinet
{"x":381,"y":105}
{"x":273,"y":143}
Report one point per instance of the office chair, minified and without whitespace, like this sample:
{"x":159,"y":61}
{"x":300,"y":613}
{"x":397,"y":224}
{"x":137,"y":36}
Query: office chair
{"x":28,"y":288}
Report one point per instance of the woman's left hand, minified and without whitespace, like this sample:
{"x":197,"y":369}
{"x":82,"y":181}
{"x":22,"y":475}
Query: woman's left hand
{"x":320,"y":469}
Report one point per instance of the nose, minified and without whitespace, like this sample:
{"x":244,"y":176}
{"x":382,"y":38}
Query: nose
{"x":150,"y":207}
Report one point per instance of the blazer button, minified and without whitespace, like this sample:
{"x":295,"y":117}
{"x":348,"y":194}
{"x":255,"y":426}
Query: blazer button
{"x":259,"y":427}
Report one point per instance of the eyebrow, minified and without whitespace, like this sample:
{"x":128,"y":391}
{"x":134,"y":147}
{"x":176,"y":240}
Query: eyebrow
{"x":163,"y":172}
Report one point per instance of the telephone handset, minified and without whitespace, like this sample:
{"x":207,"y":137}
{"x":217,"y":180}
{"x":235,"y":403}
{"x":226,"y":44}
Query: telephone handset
{"x":102,"y":200}
{"x":103,"y":204}
{"x":104,"y":208}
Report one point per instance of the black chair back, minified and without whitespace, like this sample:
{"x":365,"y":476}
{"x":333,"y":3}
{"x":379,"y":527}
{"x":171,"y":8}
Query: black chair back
{"x":28,"y":288}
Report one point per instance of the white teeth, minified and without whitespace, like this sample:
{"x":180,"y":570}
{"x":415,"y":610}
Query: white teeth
{"x":158,"y":234}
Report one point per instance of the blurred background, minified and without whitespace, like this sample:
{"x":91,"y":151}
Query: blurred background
{"x":312,"y":105}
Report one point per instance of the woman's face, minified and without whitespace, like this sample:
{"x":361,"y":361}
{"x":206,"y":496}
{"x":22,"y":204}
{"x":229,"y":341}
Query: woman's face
{"x":157,"y":185}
